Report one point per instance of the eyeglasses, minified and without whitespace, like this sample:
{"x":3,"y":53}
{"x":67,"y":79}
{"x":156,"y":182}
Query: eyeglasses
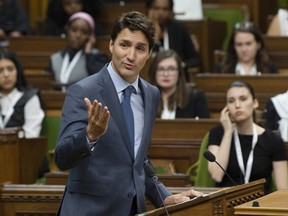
{"x":169,"y":70}
{"x":244,"y":25}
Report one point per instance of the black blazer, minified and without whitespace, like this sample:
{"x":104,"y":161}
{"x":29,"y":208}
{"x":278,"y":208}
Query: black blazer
{"x":197,"y":106}
{"x":180,"y":41}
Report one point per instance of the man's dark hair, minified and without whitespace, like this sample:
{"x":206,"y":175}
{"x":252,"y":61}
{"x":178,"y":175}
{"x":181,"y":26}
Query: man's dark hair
{"x":135,"y":21}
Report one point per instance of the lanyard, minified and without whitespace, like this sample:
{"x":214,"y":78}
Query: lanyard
{"x":67,"y":67}
{"x":239,"y":155}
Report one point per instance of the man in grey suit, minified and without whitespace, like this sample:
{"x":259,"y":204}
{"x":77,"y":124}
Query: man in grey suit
{"x":106,"y":165}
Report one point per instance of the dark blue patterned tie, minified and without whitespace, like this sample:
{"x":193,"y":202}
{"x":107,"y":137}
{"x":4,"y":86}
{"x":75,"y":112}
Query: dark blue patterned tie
{"x":128,"y":113}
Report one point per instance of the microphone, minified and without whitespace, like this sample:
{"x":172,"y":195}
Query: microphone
{"x":150,"y":172}
{"x":211,"y":157}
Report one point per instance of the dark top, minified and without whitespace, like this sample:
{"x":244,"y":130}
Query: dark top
{"x":94,"y":60}
{"x":56,"y":18}
{"x":196,"y":107}
{"x":13,"y":17}
{"x":272,"y":68}
{"x":17,"y":118}
{"x":180,"y":41}
{"x":271,"y":116}
{"x":269,"y":148}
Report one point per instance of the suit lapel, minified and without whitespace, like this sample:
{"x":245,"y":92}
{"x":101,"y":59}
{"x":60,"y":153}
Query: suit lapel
{"x":148,"y":113}
{"x":112,"y":101}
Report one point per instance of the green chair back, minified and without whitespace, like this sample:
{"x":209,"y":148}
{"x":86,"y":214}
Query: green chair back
{"x":50,"y":129}
{"x":198,"y":172}
{"x":229,"y":15}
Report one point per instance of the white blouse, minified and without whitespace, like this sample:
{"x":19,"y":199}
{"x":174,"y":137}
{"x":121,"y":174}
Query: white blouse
{"x":240,"y":70}
{"x":33,"y":113}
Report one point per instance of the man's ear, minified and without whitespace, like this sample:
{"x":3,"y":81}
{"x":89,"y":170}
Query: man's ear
{"x":111,"y":44}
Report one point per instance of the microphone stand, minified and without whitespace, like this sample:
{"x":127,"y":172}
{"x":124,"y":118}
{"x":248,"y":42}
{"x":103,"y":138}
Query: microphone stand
{"x":150,"y":172}
{"x":154,"y":178}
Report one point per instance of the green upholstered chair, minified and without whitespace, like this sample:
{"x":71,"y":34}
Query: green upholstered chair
{"x":198,"y":172}
{"x":50,"y":129}
{"x":229,"y":13}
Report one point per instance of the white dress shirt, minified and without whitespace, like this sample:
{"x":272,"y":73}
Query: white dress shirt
{"x":33,"y":113}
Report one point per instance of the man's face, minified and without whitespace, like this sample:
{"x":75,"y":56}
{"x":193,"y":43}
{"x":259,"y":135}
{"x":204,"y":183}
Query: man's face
{"x":130,"y":51}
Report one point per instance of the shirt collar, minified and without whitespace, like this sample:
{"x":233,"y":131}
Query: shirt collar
{"x":119,"y":83}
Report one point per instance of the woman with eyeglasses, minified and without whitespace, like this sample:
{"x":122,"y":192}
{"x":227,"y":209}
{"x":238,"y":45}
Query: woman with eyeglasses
{"x":246,"y":54}
{"x":246,"y":150}
{"x":178,"y":99}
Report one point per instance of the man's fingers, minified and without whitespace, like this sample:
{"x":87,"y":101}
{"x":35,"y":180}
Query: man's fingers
{"x":88,"y":103}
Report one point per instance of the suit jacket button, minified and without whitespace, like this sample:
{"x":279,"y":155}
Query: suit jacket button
{"x":83,"y":155}
{"x":130,"y":195}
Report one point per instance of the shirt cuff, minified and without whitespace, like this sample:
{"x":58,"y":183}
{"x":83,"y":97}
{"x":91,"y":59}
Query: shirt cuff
{"x":91,"y":145}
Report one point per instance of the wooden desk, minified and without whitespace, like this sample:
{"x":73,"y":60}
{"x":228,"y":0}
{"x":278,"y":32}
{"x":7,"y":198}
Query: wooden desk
{"x":277,"y":52}
{"x":220,"y":202}
{"x":271,"y":204}
{"x":34,"y":51}
{"x":179,"y":140}
{"x":60,"y":178}
{"x":44,"y":200}
{"x":52,"y":100}
{"x":20,"y":158}
{"x":22,"y":199}
{"x":39,"y":78}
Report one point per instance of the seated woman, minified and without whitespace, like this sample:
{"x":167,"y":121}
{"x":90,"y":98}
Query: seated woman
{"x":246,"y":151}
{"x":20,"y":105}
{"x":246,"y":54}
{"x":276,"y":114}
{"x":178,"y":100}
{"x":80,"y":59}
{"x":59,"y":11}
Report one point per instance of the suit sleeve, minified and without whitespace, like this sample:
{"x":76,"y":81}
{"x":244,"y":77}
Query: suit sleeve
{"x":72,"y":144}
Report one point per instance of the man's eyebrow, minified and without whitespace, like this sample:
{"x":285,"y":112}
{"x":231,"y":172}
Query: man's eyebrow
{"x":138,"y":43}
{"x":142,"y":44}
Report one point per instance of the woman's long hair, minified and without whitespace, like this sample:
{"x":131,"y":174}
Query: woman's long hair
{"x":262,"y":59}
{"x":21,"y":82}
{"x":180,"y":96}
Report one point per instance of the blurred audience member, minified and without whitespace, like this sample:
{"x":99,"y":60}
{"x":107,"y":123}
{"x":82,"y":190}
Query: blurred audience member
{"x":59,"y":11}
{"x":246,"y":54}
{"x":171,"y":34}
{"x":20,"y":105}
{"x":80,"y":59}
{"x":245,"y":150}
{"x":178,"y":100}
{"x":13,"y":20}
{"x":279,"y":24}
{"x":276,"y":114}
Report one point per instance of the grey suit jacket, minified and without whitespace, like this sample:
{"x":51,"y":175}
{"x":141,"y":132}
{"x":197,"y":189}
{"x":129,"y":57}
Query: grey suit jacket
{"x":108,"y":176}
